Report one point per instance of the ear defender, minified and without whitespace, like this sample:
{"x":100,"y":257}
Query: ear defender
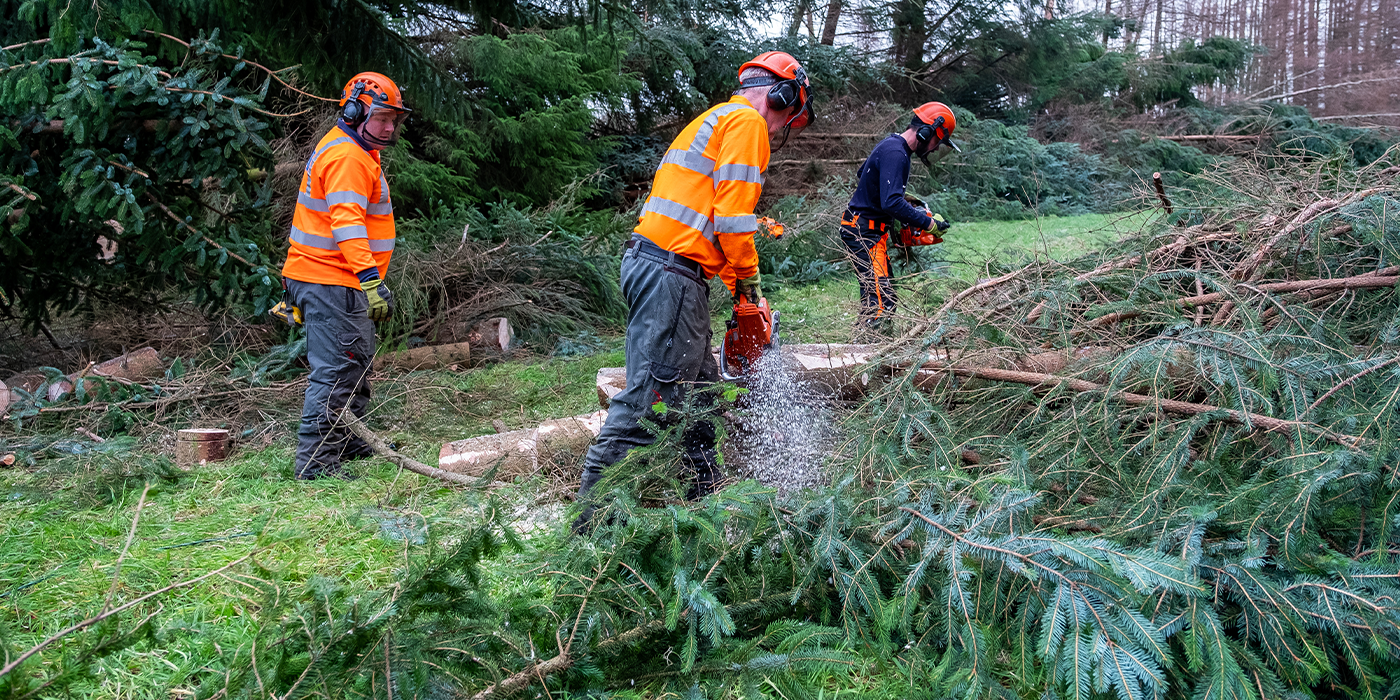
{"x":354,"y":110}
{"x":784,"y":93}
{"x":926,"y":133}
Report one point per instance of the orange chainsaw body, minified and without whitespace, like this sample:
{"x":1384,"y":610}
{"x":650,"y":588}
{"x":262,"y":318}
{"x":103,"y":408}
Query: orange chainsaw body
{"x":752,"y":330}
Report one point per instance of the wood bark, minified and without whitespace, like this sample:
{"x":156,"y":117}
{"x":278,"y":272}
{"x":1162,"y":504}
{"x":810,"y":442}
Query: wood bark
{"x":833,"y":16}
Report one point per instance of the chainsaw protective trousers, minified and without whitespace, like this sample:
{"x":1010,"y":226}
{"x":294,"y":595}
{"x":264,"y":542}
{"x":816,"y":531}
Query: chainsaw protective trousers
{"x":869,"y":250}
{"x":668,"y":353}
{"x":339,"y":348}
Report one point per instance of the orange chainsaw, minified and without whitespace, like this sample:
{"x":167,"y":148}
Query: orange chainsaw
{"x":910,"y":237}
{"x":750,"y":332}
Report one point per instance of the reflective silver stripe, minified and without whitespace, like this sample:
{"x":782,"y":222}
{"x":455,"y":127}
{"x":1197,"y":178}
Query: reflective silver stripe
{"x":380,"y":209}
{"x":349,"y":233}
{"x":312,"y":203}
{"x":736,"y":224}
{"x":311,"y":162}
{"x":693,"y":158}
{"x":735,"y":172}
{"x":347,"y":197}
{"x":707,"y":128}
{"x":381,"y":245}
{"x":690,"y":160}
{"x":683,"y":214}
{"x":383,"y":189}
{"x":312,"y":240}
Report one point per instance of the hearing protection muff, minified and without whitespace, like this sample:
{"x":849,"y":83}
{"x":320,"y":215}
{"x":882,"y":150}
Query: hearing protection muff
{"x":354,"y":110}
{"x":784,"y":93}
{"x":930,"y":137}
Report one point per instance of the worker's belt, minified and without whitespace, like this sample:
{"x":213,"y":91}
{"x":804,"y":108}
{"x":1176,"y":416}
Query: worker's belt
{"x":862,"y":223}
{"x":674,"y":263}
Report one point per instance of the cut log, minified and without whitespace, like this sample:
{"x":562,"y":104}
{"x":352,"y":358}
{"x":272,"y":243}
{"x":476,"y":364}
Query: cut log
{"x":610,"y":382}
{"x":493,"y":335}
{"x":427,"y":357}
{"x":137,"y":366}
{"x":837,"y":370}
{"x":28,"y":381}
{"x":518,"y":453}
{"x":59,"y":389}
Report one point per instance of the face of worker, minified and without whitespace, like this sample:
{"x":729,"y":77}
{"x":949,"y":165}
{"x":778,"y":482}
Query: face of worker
{"x":380,"y":126}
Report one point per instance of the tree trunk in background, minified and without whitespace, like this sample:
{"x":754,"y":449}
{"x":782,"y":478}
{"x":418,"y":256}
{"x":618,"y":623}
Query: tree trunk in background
{"x":910,"y":34}
{"x":798,"y":14}
{"x":1107,"y":12}
{"x":833,"y":15}
{"x":1157,"y":30}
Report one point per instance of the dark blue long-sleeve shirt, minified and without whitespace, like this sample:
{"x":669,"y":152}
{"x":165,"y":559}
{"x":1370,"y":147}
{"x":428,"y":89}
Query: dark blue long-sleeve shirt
{"x":880,"y":184}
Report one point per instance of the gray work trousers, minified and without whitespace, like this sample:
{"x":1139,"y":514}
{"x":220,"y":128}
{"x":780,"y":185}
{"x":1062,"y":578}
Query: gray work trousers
{"x":668,"y":352}
{"x":339,"y":348}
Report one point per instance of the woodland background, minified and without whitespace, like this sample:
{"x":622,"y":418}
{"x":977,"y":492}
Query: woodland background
{"x":1145,"y":447}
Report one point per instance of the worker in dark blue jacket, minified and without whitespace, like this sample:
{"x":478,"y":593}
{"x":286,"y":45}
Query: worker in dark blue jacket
{"x":879,"y":206}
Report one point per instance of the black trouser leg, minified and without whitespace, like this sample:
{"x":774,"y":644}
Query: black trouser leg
{"x":339,"y":348}
{"x":870,"y":257}
{"x":668,"y":353}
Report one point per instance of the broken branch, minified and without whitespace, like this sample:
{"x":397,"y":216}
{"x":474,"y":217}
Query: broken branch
{"x":356,"y":426}
{"x":1380,"y":278}
{"x":1161,"y":192}
{"x":1168,"y":405}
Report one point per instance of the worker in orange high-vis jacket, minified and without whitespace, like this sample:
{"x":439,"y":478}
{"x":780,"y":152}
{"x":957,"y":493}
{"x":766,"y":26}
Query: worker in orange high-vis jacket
{"x":697,"y":222}
{"x":341,"y":240}
{"x":879,"y":208}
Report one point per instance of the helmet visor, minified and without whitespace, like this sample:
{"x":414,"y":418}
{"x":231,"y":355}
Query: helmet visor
{"x":935,"y":153}
{"x":383,"y":125}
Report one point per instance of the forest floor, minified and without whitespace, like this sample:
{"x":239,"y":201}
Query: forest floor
{"x":68,"y":524}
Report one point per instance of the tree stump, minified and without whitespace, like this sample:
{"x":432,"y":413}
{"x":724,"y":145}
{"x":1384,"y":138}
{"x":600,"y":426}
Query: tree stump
{"x":197,"y":446}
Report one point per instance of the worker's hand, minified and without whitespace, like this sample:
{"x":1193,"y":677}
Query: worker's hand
{"x":381,"y":300}
{"x":748,"y":287}
{"x":939,"y":222}
{"x":285,"y":312}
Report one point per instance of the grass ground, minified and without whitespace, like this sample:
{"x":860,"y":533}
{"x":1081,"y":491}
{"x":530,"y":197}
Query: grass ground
{"x":65,"y":523}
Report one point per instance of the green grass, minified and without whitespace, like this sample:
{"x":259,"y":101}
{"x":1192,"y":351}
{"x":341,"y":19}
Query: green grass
{"x":825,"y":311}
{"x":65,"y":522}
{"x":59,"y":550}
{"x":442,"y":406}
{"x":968,"y":247}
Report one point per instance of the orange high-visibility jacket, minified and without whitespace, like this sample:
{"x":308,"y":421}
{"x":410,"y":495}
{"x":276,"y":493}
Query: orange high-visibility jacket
{"x":344,"y":221}
{"x":702,"y":199}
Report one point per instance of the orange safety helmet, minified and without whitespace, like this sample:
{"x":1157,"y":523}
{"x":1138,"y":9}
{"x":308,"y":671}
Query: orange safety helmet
{"x":367,"y":93}
{"x":935,"y":123}
{"x":790,"y":86}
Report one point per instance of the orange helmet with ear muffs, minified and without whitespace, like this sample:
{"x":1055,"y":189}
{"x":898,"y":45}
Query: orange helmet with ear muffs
{"x":790,"y":86}
{"x":935,"y":123}
{"x":367,"y":93}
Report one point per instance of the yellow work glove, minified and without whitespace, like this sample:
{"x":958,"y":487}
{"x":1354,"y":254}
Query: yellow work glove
{"x":381,"y":300}
{"x":748,"y":287}
{"x":940,"y":222}
{"x":285,"y":312}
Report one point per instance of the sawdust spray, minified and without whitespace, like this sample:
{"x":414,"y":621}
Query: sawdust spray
{"x":785,"y":429}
